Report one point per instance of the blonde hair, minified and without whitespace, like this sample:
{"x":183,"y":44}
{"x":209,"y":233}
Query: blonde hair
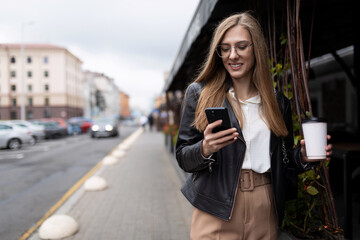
{"x":216,"y":79}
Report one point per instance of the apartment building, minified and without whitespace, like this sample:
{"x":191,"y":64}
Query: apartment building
{"x":52,"y":82}
{"x":101,"y":95}
{"x":124,"y":105}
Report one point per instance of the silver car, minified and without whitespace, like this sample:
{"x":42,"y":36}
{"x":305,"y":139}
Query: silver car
{"x":37,"y":131}
{"x":13,"y":136}
{"x":105,"y":127}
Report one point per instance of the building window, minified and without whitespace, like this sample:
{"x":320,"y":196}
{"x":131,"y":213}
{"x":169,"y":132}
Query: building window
{"x":12,"y":60}
{"x":30,"y":115}
{"x":13,"y":115}
{"x":30,"y":88}
{"x":30,"y":101}
{"x":46,"y":60}
{"x":29,"y":73}
{"x":47,"y":113}
{"x":46,"y":87}
{"x":13,"y":74}
{"x":29,"y":60}
{"x":46,"y":74}
{"x":13,"y":88}
{"x":13,"y":102}
{"x":47,"y":102}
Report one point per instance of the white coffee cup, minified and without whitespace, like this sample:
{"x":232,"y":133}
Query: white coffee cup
{"x":315,"y":131}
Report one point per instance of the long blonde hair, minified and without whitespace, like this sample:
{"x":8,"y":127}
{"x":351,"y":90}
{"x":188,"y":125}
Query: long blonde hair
{"x":216,"y":79}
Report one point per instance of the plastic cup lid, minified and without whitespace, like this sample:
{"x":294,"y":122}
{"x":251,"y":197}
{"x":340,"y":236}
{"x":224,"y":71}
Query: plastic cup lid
{"x":314,"y":120}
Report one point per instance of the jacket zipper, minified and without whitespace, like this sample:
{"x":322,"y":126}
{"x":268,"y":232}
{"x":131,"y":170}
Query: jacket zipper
{"x":237,"y":183}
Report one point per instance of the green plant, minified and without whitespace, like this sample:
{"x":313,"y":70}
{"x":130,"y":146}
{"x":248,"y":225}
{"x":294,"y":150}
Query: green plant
{"x":312,"y":214}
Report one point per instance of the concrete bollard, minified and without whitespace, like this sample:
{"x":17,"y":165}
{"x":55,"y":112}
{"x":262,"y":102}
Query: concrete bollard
{"x":118,"y":153}
{"x":95,"y":183}
{"x":58,"y":227}
{"x":110,"y":160}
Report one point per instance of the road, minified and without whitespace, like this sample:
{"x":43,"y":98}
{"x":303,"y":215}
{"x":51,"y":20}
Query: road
{"x":34,"y":178}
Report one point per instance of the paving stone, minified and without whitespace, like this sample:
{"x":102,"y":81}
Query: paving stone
{"x":143,"y":200}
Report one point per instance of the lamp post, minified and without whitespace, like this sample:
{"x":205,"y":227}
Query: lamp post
{"x":22,"y":113}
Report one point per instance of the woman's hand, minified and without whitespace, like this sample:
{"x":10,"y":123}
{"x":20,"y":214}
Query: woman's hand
{"x":213,"y":142}
{"x":304,"y":155}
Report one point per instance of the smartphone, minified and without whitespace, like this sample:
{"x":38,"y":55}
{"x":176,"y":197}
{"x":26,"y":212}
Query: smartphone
{"x":216,"y":113}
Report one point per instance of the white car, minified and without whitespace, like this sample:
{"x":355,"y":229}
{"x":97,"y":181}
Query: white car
{"x":37,"y":131}
{"x":13,"y":136}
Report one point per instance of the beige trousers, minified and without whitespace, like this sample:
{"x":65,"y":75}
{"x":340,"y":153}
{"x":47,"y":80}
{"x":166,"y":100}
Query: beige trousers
{"x":253,"y":218}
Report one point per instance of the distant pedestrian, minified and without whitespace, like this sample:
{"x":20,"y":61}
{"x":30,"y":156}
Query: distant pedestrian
{"x":238,"y":184}
{"x":151,"y":121}
{"x":143,"y":121}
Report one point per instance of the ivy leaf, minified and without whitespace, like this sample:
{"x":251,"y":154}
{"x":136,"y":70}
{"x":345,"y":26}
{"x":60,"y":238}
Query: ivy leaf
{"x":312,"y":190}
{"x":297,"y":140}
{"x":278,"y":67}
{"x":274,"y":84}
{"x":307,"y":114}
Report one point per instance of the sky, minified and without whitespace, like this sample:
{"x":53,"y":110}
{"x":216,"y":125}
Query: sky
{"x":133,"y":42}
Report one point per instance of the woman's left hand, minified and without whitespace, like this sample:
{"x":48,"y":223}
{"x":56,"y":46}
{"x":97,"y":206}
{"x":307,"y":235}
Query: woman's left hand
{"x":303,"y":151}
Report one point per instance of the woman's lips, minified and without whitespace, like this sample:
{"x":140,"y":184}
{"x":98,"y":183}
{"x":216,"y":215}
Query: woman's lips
{"x":235,"y":66}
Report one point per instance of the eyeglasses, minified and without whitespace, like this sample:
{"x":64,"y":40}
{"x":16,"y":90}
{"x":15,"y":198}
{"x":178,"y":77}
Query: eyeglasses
{"x":224,"y":50}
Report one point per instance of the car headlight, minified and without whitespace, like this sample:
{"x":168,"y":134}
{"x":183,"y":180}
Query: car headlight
{"x":108,"y":127}
{"x":95,"y":128}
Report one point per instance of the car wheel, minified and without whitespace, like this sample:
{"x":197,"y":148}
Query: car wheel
{"x":14,"y":144}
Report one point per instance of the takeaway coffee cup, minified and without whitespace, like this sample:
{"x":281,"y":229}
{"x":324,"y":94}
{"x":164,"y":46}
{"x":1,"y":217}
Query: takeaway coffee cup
{"x":315,"y":131}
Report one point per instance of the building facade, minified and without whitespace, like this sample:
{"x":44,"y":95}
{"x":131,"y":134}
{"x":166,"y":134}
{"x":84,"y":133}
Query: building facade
{"x":101,"y":95}
{"x":49,"y":76}
{"x":125,"y":112}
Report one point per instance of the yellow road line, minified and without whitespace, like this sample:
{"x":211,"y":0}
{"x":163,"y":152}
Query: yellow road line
{"x":67,"y":195}
{"x":61,"y":201}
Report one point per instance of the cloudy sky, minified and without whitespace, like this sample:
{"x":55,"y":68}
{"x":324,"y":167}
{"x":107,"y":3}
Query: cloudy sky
{"x":134,"y":42}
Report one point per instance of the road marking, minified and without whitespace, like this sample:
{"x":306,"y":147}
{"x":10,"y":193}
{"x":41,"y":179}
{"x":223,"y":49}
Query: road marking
{"x":12,"y":156}
{"x":61,"y":201}
{"x":70,"y":192}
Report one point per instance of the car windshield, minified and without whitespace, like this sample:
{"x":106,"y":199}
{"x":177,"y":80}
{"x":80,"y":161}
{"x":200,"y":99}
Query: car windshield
{"x":104,"y":121}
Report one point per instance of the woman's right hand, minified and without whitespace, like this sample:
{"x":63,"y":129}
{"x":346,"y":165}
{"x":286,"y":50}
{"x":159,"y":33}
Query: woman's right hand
{"x":213,"y":142}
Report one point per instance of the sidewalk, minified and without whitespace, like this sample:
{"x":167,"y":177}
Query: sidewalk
{"x":142,"y":201}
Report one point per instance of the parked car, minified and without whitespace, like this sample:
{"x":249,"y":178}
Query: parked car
{"x":73,"y":128}
{"x":52,"y":129}
{"x":13,"y":136}
{"x":85,"y":123}
{"x":105,"y":127}
{"x":37,"y":131}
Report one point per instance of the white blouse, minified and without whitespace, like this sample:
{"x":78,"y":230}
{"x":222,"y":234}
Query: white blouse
{"x":256,"y":135}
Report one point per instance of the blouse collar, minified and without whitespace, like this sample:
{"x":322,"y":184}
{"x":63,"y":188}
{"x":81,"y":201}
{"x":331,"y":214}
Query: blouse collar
{"x":255,"y":100}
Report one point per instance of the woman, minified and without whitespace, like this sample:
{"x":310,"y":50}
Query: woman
{"x":238,"y":180}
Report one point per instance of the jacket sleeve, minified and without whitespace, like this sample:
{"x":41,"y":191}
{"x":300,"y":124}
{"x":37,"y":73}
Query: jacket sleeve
{"x":294,"y":153}
{"x":188,"y":144}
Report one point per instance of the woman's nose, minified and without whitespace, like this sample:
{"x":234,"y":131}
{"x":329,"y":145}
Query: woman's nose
{"x":233,"y":53}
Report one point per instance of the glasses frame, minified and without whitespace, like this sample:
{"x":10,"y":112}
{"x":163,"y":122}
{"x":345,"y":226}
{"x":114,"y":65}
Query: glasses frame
{"x":231,"y":47}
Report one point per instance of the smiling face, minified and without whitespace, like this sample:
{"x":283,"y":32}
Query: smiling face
{"x":237,"y":44}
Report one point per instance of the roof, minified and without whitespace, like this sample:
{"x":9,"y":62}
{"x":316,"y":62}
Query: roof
{"x":333,"y":30}
{"x":30,"y":45}
{"x":39,"y":46}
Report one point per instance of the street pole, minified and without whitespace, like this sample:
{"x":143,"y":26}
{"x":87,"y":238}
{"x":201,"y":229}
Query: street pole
{"x":22,"y":112}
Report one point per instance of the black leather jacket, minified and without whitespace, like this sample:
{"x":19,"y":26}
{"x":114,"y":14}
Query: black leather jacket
{"x":213,"y":183}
